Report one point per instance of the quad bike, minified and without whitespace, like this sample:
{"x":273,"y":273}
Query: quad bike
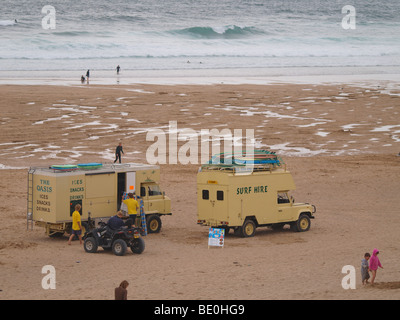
{"x":116,"y":240}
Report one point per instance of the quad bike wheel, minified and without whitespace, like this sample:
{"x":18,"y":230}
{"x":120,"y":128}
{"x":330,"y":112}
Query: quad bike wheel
{"x":119,"y":247}
{"x":138,"y":246}
{"x":90,"y":245}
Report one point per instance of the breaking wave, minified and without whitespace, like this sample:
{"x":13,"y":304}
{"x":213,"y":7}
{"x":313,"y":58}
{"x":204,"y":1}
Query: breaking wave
{"x":226,"y":32}
{"x":5,"y":23}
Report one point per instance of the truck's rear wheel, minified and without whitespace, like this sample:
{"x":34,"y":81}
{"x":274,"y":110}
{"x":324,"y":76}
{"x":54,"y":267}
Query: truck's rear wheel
{"x":302,"y":224}
{"x":248,"y":228}
{"x":154,"y":224}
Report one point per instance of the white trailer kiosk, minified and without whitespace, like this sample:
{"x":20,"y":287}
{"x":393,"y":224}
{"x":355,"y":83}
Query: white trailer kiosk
{"x":54,"y":191}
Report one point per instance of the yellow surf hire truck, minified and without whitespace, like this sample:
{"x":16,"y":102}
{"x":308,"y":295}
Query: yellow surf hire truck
{"x":54,"y":191}
{"x":233,"y":196}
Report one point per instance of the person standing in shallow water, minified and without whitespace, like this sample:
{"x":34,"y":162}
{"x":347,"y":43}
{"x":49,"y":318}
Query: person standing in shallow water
{"x":118,"y":151}
{"x":87,"y":76}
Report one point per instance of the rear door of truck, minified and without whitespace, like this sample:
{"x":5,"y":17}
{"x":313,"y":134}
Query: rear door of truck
{"x":212,"y":203}
{"x":101,"y":194}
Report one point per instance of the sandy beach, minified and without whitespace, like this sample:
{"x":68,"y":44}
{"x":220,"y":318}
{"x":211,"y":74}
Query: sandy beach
{"x":340,"y":141}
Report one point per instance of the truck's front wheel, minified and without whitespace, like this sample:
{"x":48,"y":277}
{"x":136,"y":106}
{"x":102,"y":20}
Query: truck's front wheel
{"x":154,"y":224}
{"x":302,"y":224}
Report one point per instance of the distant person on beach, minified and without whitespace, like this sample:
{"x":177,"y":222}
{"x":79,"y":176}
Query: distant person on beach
{"x":365,"y":268}
{"x":374,"y":264}
{"x":118,"y":151}
{"x":82,"y":79}
{"x":87,"y":75}
{"x":121,"y":293}
{"x":118,"y":68}
{"x":76,"y":224}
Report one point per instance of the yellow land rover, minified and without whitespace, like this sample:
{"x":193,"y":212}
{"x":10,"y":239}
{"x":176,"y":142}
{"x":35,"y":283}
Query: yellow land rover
{"x":233,"y":196}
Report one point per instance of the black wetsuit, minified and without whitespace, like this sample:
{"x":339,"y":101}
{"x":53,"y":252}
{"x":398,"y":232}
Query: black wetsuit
{"x":118,"y":154}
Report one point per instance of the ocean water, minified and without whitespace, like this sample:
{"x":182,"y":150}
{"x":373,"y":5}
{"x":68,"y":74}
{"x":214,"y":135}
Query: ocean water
{"x":198,"y":34}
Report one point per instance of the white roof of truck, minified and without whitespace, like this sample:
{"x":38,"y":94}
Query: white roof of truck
{"x":102,"y":168}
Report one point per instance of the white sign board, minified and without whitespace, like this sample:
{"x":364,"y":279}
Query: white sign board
{"x":216,"y":237}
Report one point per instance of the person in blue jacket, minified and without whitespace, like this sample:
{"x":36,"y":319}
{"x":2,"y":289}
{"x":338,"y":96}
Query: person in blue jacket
{"x":117,"y":222}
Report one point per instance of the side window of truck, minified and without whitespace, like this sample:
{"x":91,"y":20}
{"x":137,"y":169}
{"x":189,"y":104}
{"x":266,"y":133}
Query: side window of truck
{"x":154,"y":190}
{"x":220,"y":195}
{"x":150,"y":190}
{"x":142,"y":191}
{"x":206,"y":195}
{"x":283,"y":197}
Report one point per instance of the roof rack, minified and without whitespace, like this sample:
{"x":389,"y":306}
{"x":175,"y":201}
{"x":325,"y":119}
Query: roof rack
{"x":91,"y":167}
{"x":257,"y":160}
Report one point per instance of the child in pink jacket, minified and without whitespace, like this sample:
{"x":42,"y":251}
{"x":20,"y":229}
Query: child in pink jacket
{"x":374,"y":263}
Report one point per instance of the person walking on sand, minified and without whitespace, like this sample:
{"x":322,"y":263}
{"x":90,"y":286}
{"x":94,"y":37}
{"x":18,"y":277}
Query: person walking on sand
{"x":76,"y":225}
{"x":121,"y":293}
{"x":118,"y":68}
{"x":365,"y":268}
{"x":118,"y":151}
{"x":374,"y":264}
{"x":87,"y":75}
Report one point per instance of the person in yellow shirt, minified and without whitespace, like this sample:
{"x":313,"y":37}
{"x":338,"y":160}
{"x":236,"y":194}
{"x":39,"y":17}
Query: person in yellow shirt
{"x":132,"y":206}
{"x":76,"y":224}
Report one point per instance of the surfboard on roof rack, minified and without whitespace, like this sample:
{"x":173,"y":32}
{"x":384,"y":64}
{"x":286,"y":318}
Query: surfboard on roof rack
{"x":258,"y":157}
{"x":90,"y":165}
{"x":64,"y":167}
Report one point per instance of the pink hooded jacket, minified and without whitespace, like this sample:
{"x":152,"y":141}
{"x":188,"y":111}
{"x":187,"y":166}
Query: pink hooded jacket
{"x":374,"y":262}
